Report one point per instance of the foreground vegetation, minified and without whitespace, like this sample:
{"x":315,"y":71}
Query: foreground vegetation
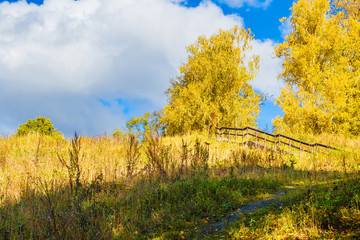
{"x":171,"y":188}
{"x":327,"y":210}
{"x":177,"y":187}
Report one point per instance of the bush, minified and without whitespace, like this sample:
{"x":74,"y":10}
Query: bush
{"x":40,"y":124}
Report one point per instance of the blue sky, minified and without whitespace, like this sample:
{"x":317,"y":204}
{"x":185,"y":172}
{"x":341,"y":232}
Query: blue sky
{"x":91,"y":65}
{"x":263,"y":21}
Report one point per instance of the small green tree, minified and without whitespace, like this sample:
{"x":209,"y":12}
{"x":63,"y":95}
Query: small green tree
{"x":40,"y":125}
{"x":149,"y":122}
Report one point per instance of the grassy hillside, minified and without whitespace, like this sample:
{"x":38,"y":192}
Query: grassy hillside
{"x":172,"y":188}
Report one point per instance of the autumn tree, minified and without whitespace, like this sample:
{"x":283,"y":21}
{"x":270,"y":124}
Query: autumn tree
{"x":146,"y":123}
{"x":214,"y":81}
{"x":321,"y":69}
{"x":351,"y":7}
{"x":40,"y":125}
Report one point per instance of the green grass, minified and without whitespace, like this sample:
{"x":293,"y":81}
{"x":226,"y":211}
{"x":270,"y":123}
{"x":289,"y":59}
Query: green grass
{"x":179,"y":209}
{"x":177,"y":186}
{"x":171,"y":209}
{"x":325,"y":211}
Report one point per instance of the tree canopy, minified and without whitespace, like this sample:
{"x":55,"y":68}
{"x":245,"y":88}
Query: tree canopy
{"x":321,"y":69}
{"x":149,"y":122}
{"x":40,"y":125}
{"x":214,"y":82}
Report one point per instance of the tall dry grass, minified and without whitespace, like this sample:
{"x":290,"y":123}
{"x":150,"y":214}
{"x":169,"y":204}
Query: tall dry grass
{"x":26,"y":158}
{"x":117,"y":182}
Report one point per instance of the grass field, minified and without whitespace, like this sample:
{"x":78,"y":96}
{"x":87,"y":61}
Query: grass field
{"x":172,"y":188}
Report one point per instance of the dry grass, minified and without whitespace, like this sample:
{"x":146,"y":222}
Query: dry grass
{"x":120,"y":179}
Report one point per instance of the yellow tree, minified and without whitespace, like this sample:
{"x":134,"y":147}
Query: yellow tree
{"x":352,"y":7}
{"x":321,"y":69}
{"x":214,"y":81}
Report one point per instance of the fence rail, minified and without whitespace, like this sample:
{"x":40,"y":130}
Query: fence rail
{"x":259,"y":138}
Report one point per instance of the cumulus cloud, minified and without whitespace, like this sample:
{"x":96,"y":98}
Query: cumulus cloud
{"x":64,"y":59}
{"x":270,"y":67}
{"x":252,"y":3}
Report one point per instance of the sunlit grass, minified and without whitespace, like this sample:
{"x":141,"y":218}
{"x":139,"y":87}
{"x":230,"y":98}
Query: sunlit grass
{"x":172,"y":191}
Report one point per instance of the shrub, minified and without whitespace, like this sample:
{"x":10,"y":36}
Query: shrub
{"x":40,"y":124}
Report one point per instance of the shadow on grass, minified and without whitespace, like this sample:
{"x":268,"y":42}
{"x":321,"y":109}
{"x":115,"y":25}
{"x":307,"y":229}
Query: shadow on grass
{"x":176,"y":208}
{"x":329,"y":210}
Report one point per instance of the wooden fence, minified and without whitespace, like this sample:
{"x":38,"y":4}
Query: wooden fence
{"x":265,"y":140}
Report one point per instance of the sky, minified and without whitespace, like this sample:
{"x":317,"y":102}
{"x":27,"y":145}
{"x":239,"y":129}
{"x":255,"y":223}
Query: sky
{"x":92,"y":65}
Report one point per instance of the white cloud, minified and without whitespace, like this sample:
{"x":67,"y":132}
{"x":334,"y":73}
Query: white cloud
{"x":58,"y":59}
{"x":270,"y":67}
{"x":252,"y":3}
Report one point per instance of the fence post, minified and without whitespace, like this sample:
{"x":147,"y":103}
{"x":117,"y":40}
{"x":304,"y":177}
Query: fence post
{"x":265,"y":140}
{"x":275,"y":143}
{"x":300,"y":152}
{"x":229,"y":135}
{"x":279,"y":142}
{"x":256,"y":139}
{"x":242,"y":141}
{"x":247,"y":136}
{"x":290,"y":146}
{"x":235,"y":135}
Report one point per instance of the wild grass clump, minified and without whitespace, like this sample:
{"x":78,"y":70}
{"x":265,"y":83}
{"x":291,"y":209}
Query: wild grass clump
{"x":73,"y":165}
{"x":158,"y":156}
{"x":132,"y":154}
{"x":200,"y":155}
{"x":326,"y":211}
{"x":159,"y":187}
{"x":173,"y":209}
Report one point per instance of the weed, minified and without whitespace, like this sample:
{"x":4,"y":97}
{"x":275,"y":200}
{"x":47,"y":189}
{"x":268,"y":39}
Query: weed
{"x":132,"y":154}
{"x":292,"y":164}
{"x":73,"y":166}
{"x":176,"y":198}
{"x":158,"y":155}
{"x":49,"y":198}
{"x":36,"y":160}
{"x":200,"y":155}
{"x":185,"y":152}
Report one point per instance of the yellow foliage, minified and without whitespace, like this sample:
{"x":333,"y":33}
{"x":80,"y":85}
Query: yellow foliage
{"x":321,"y":69}
{"x":352,"y":7}
{"x":214,"y":80}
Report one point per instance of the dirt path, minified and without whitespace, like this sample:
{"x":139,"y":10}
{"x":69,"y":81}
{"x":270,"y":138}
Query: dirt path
{"x":217,"y":226}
